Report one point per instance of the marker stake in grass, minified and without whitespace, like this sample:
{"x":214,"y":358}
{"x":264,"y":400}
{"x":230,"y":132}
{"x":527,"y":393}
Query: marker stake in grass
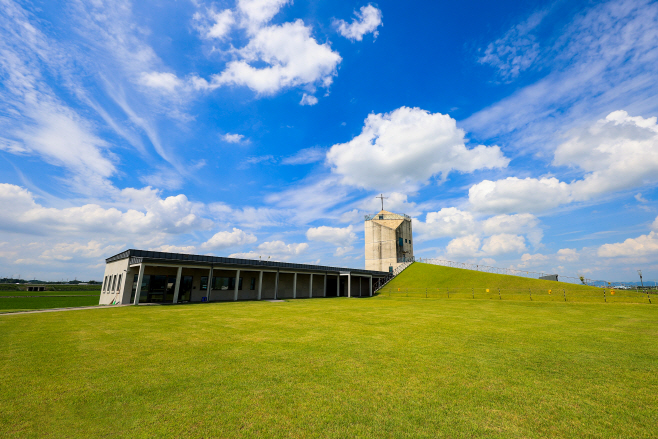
{"x":499,"y":296}
{"x":530,"y":289}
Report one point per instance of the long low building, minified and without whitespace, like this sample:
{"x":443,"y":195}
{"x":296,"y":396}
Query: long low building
{"x":141,"y":276}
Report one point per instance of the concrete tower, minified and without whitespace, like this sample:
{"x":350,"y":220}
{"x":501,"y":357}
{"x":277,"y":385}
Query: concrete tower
{"x":388,"y":240}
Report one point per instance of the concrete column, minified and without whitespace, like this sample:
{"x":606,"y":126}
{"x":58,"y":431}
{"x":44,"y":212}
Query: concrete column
{"x":370,"y":286}
{"x":140,"y":276}
{"x":209,"y":290}
{"x":276,"y":286}
{"x":237,"y":284}
{"x":260,"y":284}
{"x":338,"y":285}
{"x":177,"y":287}
{"x":310,"y":287}
{"x":324,"y":291}
{"x":294,"y":286}
{"x":349,"y":284}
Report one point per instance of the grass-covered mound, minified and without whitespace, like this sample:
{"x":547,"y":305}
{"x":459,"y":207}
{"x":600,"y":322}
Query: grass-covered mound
{"x":332,"y":368}
{"x":420,"y":279}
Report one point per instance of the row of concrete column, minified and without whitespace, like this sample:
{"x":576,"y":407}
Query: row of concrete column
{"x":179,"y":273}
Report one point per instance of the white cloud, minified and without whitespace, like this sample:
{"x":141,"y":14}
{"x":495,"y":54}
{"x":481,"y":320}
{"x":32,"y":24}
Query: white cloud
{"x":172,"y":215}
{"x":258,"y":12}
{"x":448,"y":222}
{"x":185,"y":249}
{"x":275,"y":249}
{"x":568,"y":254}
{"x":305,"y":156}
{"x":640,"y":198}
{"x":340,"y":251}
{"x":617,"y":153}
{"x":393,"y":202}
{"x":503,"y":243}
{"x":35,"y":120}
{"x":222,"y":240}
{"x":465,"y":246}
{"x":523,"y":223}
{"x":234,"y":138}
{"x":214,"y":25}
{"x":334,"y":235}
{"x":367,"y":20}
{"x":643,"y":245}
{"x":528,"y":260}
{"x":452,"y":222}
{"x":407,"y":147}
{"x":515,"y":51}
{"x":293,"y":56}
{"x":161,"y":80}
{"x":308,"y":100}
{"x":603,"y":60}
{"x":515,"y":194}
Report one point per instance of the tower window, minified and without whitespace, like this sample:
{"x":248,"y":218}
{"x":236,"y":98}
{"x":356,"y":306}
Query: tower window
{"x":381,"y":216}
{"x":401,"y":242}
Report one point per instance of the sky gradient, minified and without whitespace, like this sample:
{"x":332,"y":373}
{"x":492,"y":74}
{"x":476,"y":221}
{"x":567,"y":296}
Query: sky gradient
{"x":515,"y":134}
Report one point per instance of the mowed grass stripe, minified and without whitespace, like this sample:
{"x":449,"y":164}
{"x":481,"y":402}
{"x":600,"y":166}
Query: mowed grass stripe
{"x":13,"y":304}
{"x":379,"y":367}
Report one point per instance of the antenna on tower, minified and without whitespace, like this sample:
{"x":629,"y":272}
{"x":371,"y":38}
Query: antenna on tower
{"x":383,"y":198}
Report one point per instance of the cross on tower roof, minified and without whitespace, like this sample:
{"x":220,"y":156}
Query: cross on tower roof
{"x":383,"y":198}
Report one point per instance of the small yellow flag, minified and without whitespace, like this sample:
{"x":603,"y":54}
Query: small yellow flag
{"x":612,"y":292}
{"x":549,"y":291}
{"x":487,"y":290}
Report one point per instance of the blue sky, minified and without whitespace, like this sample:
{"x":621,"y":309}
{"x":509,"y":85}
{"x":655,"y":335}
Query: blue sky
{"x":516,"y":134}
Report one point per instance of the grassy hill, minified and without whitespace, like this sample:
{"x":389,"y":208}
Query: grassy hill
{"x":442,"y":281}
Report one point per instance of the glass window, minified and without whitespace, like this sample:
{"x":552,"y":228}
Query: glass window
{"x":114,"y":282}
{"x":252,"y":286}
{"x":400,"y":242}
{"x":220,"y":283}
{"x":232,"y":283}
{"x":105,"y":283}
{"x":381,"y":216}
{"x":204,"y":283}
{"x":119,"y":283}
{"x":144,"y":289}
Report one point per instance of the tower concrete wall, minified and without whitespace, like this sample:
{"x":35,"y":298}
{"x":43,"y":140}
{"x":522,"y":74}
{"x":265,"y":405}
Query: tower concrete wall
{"x":388,"y":241}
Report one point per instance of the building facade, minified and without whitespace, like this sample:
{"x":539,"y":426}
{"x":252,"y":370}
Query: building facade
{"x":140,"y":276}
{"x":388,"y":239}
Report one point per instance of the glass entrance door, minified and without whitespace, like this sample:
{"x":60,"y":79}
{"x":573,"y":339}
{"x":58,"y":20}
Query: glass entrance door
{"x":185,"y":290}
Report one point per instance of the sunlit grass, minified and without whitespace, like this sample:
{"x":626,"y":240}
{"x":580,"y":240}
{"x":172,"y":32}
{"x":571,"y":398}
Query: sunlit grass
{"x":375,"y":367}
{"x":433,"y":281}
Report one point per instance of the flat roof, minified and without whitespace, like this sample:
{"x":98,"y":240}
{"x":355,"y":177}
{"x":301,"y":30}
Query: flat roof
{"x":153,"y":256}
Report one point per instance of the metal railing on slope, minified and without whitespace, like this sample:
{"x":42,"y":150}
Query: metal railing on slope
{"x":399,"y":269}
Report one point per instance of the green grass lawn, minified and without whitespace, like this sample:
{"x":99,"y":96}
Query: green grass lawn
{"x":333,"y":368}
{"x":13,"y":304}
{"x":49,"y":293}
{"x":427,"y":280}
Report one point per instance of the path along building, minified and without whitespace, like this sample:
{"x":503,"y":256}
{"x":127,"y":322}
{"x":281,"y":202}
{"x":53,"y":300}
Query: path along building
{"x":140,"y":276}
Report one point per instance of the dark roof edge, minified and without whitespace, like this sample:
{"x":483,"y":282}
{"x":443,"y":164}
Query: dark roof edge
{"x":232,"y":261}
